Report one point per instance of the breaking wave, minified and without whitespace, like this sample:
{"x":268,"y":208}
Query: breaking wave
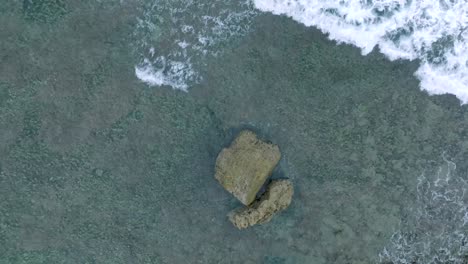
{"x":433,"y":31}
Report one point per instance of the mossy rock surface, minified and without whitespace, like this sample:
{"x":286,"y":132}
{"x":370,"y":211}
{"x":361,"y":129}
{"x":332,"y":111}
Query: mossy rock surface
{"x":243,"y":168}
{"x":277,"y":198}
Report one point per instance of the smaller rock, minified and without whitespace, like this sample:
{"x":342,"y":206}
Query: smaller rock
{"x":277,"y":197}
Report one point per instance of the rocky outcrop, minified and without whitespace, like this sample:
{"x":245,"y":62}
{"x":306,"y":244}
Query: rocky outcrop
{"x":277,"y":197}
{"x":243,"y":168}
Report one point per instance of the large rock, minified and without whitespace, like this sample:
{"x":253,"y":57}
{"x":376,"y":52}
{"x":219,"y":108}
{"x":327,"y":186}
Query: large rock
{"x":277,"y":198}
{"x":243,"y":168}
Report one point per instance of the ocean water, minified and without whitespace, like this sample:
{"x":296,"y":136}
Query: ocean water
{"x":433,"y":32}
{"x":174,"y":37}
{"x":112,"y":113}
{"x":434,"y":229}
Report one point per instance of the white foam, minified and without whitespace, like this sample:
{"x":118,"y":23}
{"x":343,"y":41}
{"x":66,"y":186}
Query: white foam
{"x":434,"y":229}
{"x":173,"y":37}
{"x":170,"y":73}
{"x":433,"y":31}
{"x":183,"y":44}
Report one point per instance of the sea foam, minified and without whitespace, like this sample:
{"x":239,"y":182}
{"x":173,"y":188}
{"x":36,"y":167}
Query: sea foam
{"x":435,"y":229}
{"x":433,"y":31}
{"x":174,"y":37}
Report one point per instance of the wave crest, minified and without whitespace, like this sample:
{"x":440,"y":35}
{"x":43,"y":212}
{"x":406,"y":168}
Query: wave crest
{"x":433,"y":31}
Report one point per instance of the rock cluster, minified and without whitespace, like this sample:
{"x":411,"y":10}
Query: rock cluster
{"x":242,"y":169}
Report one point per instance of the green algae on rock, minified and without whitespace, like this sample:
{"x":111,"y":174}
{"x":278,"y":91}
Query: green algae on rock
{"x":243,"y":168}
{"x":277,"y":198}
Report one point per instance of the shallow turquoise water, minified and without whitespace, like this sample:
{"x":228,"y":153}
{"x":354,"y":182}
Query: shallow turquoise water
{"x":98,"y":167}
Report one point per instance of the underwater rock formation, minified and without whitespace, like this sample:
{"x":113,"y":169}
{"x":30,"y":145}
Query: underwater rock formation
{"x":243,"y":168}
{"x":277,"y":197}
